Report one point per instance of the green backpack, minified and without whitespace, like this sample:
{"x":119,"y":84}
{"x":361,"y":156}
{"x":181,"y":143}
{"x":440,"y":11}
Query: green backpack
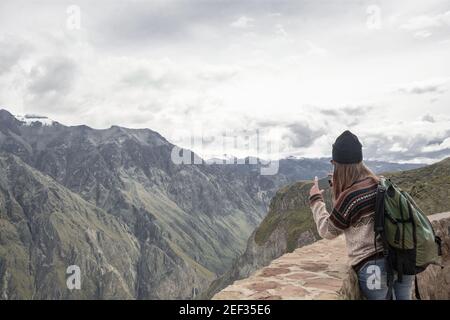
{"x":409,"y":241}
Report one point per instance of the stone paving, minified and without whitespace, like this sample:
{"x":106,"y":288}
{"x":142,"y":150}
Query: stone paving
{"x":319,"y":271}
{"x":311,"y":272}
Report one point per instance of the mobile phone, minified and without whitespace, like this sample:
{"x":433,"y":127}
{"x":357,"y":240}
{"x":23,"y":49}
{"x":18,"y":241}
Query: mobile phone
{"x":325,"y":183}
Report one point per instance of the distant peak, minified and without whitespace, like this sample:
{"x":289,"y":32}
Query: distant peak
{"x":30,"y":119}
{"x":4,"y":112}
{"x":34,"y":116}
{"x":6,"y":117}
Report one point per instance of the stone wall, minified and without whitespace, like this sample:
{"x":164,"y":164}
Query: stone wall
{"x":320,"y":271}
{"x":434,"y":283}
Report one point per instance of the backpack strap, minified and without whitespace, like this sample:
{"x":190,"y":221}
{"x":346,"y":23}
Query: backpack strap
{"x":379,"y":210}
{"x":399,"y":268}
{"x":390,"y":277}
{"x":416,"y":288}
{"x":379,"y":231}
{"x":438,"y":241}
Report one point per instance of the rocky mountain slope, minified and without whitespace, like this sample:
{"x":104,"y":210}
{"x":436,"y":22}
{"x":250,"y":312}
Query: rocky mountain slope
{"x":183,"y":224}
{"x":45,"y":228}
{"x":183,"y":217}
{"x":289,"y":223}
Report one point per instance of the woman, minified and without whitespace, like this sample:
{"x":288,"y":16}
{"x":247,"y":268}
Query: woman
{"x":354,"y":188}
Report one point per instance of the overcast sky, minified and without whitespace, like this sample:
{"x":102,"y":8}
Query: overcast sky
{"x":300,"y":72}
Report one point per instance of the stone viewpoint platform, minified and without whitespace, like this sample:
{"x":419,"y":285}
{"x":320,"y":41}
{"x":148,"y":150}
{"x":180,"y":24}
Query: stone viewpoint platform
{"x":320,"y":272}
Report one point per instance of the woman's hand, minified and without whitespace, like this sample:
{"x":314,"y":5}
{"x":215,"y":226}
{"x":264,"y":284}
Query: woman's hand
{"x":315,"y":188}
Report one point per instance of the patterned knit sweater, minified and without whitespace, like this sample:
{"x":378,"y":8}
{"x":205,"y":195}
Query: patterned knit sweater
{"x":353,"y":215}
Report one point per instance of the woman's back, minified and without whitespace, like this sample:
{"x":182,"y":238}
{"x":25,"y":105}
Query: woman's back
{"x":354,"y":198}
{"x":354,"y":212}
{"x":353,"y":215}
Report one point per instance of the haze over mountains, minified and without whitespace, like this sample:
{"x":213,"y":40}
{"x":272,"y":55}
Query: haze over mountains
{"x":112,"y":202}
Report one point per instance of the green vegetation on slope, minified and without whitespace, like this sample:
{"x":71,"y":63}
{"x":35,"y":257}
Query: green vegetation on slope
{"x":429,"y":186}
{"x":45,"y":228}
{"x":289,"y":210}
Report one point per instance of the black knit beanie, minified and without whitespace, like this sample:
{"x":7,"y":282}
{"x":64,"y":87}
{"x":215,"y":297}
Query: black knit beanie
{"x":347,"y":149}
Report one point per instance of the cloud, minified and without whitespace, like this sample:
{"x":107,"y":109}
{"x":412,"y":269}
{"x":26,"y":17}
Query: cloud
{"x":275,"y":14}
{"x":424,"y":87}
{"x":169,"y":64}
{"x":427,"y":22}
{"x":301,"y":135}
{"x":423,"y":34}
{"x":292,"y":135}
{"x":424,"y":26}
{"x":438,"y":146}
{"x":52,"y":75}
{"x":392,"y":143}
{"x":428,"y":118}
{"x":353,"y":110}
{"x":281,"y":31}
{"x":242,"y":22}
{"x":270,"y":124}
{"x":142,"y":77}
{"x":218,"y":73}
{"x":331,"y":112}
{"x":421,"y":89}
{"x":11,"y":52}
{"x":150,"y":75}
{"x":350,"y":115}
{"x":315,"y":50}
{"x":134,"y":23}
{"x":383,"y":138}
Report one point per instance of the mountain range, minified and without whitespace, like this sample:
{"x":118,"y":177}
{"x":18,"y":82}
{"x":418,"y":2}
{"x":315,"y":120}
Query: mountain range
{"x":112,"y":202}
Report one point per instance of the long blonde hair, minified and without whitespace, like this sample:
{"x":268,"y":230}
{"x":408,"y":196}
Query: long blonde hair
{"x":345,"y":175}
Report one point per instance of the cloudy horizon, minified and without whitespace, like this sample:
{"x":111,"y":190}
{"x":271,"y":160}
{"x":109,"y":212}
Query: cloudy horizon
{"x":300,"y":72}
